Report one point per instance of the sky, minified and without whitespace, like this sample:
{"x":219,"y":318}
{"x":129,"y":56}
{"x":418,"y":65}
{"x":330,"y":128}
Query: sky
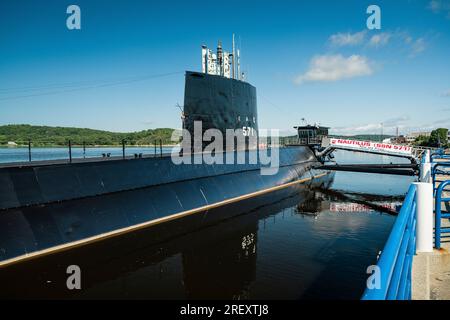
{"x":124,"y":69}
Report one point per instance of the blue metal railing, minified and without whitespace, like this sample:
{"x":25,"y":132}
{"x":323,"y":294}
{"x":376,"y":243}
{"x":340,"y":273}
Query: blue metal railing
{"x":395,"y":262}
{"x":439,"y":154}
{"x":438,"y":230}
{"x":437,"y":169}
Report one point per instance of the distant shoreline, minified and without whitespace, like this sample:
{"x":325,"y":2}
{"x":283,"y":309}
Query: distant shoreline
{"x":21,"y":146}
{"x":46,"y":136}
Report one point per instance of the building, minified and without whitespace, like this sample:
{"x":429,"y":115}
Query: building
{"x":311,"y":134}
{"x":399,"y":140}
{"x":411,"y":137}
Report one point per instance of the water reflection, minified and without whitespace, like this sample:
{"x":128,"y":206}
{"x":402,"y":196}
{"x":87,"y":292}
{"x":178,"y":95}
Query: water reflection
{"x":369,"y":183}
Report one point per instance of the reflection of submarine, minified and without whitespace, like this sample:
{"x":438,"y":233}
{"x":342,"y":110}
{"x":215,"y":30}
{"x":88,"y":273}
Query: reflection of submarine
{"x":360,"y":202}
{"x":50,"y":205}
{"x":316,"y":204}
{"x":218,"y":261}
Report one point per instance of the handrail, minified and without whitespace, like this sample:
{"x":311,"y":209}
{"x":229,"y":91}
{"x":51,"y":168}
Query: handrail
{"x":72,"y":155}
{"x":439,"y":215}
{"x":439,"y":154}
{"x":434,"y":171}
{"x":395,"y":262}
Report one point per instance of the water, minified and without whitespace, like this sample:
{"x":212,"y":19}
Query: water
{"x":37,"y":154}
{"x":378,"y":184}
{"x":315,"y":244}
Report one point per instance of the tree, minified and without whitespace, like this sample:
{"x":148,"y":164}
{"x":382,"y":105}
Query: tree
{"x":439,"y":137}
{"x":59,"y":136}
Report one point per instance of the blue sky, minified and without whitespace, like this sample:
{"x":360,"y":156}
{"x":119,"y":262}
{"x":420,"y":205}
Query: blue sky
{"x":308,"y":59}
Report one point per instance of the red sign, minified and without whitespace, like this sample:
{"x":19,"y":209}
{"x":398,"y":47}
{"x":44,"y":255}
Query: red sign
{"x":369,"y":145}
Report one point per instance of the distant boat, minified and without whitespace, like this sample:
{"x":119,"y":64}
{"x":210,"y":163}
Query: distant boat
{"x":11,"y":144}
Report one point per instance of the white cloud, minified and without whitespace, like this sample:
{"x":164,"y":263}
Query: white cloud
{"x":438,"y":6}
{"x":370,"y":128}
{"x":413,"y":45}
{"x":347,"y":39}
{"x":388,"y":126}
{"x":442,"y":121}
{"x":379,"y":40}
{"x":418,"y":46}
{"x":335,"y":67}
{"x":434,"y":6}
{"x":363,"y":38}
{"x":446,"y":93}
{"x":395,"y":122}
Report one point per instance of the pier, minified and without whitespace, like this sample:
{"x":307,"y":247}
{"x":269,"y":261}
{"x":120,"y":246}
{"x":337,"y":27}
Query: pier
{"x":415,"y":261}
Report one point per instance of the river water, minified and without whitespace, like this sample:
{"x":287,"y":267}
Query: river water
{"x":22,"y":154}
{"x":316,"y":244}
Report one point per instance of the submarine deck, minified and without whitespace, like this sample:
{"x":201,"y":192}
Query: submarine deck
{"x":78,"y":160}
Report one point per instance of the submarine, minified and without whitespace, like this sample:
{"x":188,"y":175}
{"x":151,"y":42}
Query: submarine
{"x":51,"y":206}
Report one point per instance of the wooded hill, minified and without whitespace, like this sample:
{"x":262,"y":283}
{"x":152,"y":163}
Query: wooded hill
{"x":59,"y":136}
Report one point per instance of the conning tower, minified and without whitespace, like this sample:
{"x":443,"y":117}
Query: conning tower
{"x":219,"y":97}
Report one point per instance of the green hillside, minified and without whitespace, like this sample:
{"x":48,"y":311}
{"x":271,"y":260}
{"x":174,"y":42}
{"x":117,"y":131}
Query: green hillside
{"x":370,"y":137}
{"x":59,"y":136}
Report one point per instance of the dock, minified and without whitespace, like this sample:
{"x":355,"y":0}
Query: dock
{"x":431,"y":270}
{"x":415,"y":261}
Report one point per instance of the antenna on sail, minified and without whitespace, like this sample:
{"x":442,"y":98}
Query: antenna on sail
{"x":239,"y":74}
{"x":204,"y":59}
{"x":238,"y":64}
{"x":233,"y":61}
{"x":221,"y":63}
{"x":220,"y":58}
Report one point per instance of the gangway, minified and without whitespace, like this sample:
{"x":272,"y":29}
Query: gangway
{"x":316,"y":137}
{"x":380,"y":148}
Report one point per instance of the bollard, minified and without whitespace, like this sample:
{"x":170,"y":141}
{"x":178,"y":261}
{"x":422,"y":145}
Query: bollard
{"x":425,"y":172}
{"x":70,"y":151}
{"x":29,"y":150}
{"x":427,"y":156}
{"x":424,"y":216}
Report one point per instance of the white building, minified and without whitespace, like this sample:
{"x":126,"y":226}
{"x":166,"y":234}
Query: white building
{"x":413,"y":135}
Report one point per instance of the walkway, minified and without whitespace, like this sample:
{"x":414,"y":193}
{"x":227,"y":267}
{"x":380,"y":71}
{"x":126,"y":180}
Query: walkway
{"x":431,"y":271}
